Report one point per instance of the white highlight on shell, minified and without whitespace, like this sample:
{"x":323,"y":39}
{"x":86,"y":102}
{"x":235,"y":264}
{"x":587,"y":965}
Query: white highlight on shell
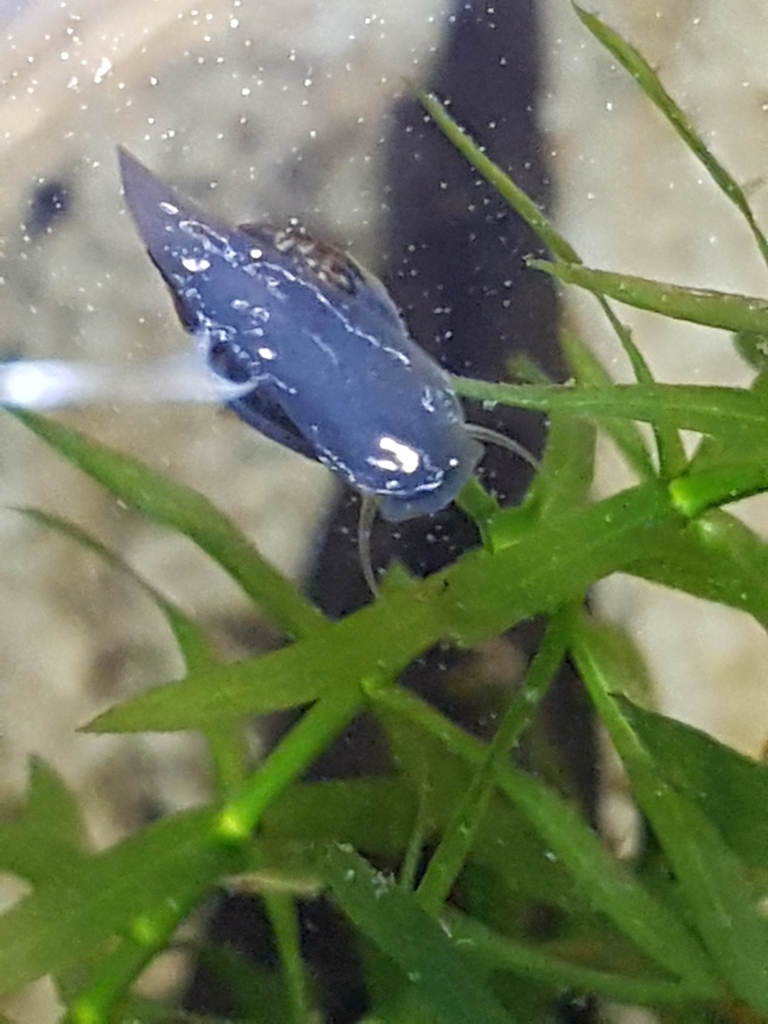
{"x":195,"y":264}
{"x":398,"y":458}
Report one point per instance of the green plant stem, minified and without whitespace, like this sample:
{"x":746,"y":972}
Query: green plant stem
{"x":668,"y":443}
{"x":709,"y":488}
{"x":455,"y":845}
{"x":282,"y":911}
{"x":228,"y":748}
{"x":231,"y":832}
{"x":670,"y":449}
{"x":479,"y":505}
{"x":589,"y":372}
{"x":544,"y":966}
{"x":150,"y":933}
{"x":649,"y":82}
{"x":654,"y":929}
{"x":722,"y":898}
{"x":316,"y":729}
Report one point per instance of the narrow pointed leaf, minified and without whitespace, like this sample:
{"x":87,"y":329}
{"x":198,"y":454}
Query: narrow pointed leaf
{"x":609,"y":886}
{"x":479,"y":596}
{"x":723,"y":901}
{"x":187,"y":512}
{"x":588,"y":372}
{"x":730,"y":788}
{"x":530,"y":961}
{"x":531,"y":213}
{"x":62,"y":923}
{"x":649,"y":82}
{"x":192,"y":642}
{"x":704,"y":408}
{"x":447,"y":979}
{"x":45,"y":840}
{"x":727,"y":311}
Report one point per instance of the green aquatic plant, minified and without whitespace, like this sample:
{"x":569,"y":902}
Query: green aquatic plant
{"x":683,"y":930}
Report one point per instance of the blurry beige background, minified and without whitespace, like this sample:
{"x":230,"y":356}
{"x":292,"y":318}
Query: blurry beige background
{"x":268,"y":108}
{"x":261,"y":111}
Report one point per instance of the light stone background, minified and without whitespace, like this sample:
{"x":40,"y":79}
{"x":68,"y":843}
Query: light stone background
{"x":267,"y":108}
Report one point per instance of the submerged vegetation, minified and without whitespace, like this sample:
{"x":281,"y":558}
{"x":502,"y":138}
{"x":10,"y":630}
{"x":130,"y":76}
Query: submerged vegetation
{"x":682,"y":929}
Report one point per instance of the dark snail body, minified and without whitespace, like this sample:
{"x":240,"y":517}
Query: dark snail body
{"x":326,"y":364}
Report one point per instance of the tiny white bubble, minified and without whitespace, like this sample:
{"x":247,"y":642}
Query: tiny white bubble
{"x":102,"y":70}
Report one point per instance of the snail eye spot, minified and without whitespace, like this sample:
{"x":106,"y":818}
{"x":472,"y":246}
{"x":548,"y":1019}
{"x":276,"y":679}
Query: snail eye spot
{"x":230,"y":361}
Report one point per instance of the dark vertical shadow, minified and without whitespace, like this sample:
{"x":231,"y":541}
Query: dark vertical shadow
{"x":454,"y":263}
{"x":453,"y":260}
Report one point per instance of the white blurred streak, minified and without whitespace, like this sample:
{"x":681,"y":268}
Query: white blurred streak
{"x":54,"y":383}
